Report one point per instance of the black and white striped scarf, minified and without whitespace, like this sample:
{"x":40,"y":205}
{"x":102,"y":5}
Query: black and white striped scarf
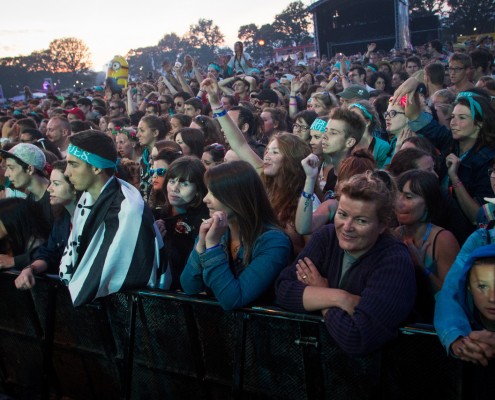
{"x":113,"y":245}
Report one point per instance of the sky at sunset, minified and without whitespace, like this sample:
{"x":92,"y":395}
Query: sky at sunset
{"x":109,"y":28}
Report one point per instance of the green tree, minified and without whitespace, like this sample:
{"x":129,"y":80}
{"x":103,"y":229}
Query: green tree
{"x":465,"y":15}
{"x":248,"y":33}
{"x":204,"y":33}
{"x":260,"y":42}
{"x":426,"y":7}
{"x":69,"y":55}
{"x":293,"y":23}
{"x":171,"y":42}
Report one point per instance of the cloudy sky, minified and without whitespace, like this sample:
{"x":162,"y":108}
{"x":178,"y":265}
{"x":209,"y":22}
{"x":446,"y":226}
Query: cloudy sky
{"x":109,"y":27}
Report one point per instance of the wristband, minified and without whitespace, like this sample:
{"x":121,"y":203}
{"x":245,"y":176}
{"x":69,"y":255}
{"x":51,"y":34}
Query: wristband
{"x":146,"y":99}
{"x":307,"y":195}
{"x":292,"y":97}
{"x":211,"y":248}
{"x":220,"y":107}
{"x":427,"y":272}
{"x":456,"y":185}
{"x":219,"y":114}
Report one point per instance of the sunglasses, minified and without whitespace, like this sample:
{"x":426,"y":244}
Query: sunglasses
{"x":158,"y":171}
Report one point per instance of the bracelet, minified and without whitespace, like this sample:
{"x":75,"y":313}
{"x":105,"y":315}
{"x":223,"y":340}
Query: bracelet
{"x":146,"y":99}
{"x":292,"y":97}
{"x":220,"y":107}
{"x":427,"y":272}
{"x":457,"y":184}
{"x":307,"y":195}
{"x":220,"y":114}
{"x":211,"y":248}
{"x":293,"y":104}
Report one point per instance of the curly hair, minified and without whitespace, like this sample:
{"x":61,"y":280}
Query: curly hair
{"x":370,"y":188}
{"x":285,"y":188}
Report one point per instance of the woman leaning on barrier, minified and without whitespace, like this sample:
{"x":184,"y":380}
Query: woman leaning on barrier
{"x":240,"y":249}
{"x":354,"y":272}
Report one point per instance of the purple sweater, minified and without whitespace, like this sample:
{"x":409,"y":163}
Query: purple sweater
{"x":383,"y":277}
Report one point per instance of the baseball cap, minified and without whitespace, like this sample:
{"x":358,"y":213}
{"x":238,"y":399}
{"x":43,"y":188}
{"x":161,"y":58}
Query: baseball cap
{"x":397,"y":59}
{"x":77,"y":112}
{"x":353,"y":91}
{"x":268,"y":95}
{"x":28,"y":154}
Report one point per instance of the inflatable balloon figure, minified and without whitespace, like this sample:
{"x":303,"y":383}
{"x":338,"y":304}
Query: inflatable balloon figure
{"x":117,"y":73}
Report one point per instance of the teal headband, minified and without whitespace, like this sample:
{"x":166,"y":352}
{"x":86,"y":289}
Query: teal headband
{"x":363,"y":109}
{"x":215,"y":66}
{"x":90,"y":158}
{"x":371,"y":68}
{"x":318,"y":125}
{"x":469,"y":96}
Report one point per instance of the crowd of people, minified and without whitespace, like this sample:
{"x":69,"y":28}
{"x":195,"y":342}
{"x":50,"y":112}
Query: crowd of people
{"x":359,"y":187}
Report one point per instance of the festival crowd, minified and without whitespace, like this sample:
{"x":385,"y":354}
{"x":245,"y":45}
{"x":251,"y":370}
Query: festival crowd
{"x":360,"y":187}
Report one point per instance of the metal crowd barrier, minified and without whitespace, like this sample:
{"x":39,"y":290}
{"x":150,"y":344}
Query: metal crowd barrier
{"x":161,"y":345}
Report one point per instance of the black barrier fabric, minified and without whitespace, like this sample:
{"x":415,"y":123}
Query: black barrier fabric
{"x":162,"y":345}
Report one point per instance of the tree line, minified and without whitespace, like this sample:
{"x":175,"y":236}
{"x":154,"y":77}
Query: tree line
{"x":204,"y":41}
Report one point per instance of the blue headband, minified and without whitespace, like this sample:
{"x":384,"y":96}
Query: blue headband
{"x":90,"y":158}
{"x":472,"y":102}
{"x":318,"y":125}
{"x":363,"y":109}
{"x":215,"y":66}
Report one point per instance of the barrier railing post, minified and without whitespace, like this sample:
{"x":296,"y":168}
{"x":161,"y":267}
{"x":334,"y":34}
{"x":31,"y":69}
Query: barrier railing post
{"x":129,"y":346}
{"x":48,"y":338}
{"x":239,"y":352}
{"x":310,"y":342}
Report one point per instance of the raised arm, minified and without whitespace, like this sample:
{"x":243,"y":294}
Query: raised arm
{"x":295,"y":87}
{"x":236,"y":139}
{"x":224,"y":85}
{"x":169,"y":85}
{"x":180,"y":77}
{"x":197,"y":72}
{"x":304,"y":212}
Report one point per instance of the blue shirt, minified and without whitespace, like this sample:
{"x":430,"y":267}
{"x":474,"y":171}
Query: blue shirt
{"x":233,"y":288}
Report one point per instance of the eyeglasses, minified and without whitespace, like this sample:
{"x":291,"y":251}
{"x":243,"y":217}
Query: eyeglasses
{"x":158,"y":171}
{"x":301,"y":127}
{"x":455,"y":70}
{"x":392,"y":113}
{"x":491,"y":173}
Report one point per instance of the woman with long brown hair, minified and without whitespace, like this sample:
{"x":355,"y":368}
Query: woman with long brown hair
{"x":240,"y":249}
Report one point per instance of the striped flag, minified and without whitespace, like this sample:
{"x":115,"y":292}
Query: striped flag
{"x":113,"y":245}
